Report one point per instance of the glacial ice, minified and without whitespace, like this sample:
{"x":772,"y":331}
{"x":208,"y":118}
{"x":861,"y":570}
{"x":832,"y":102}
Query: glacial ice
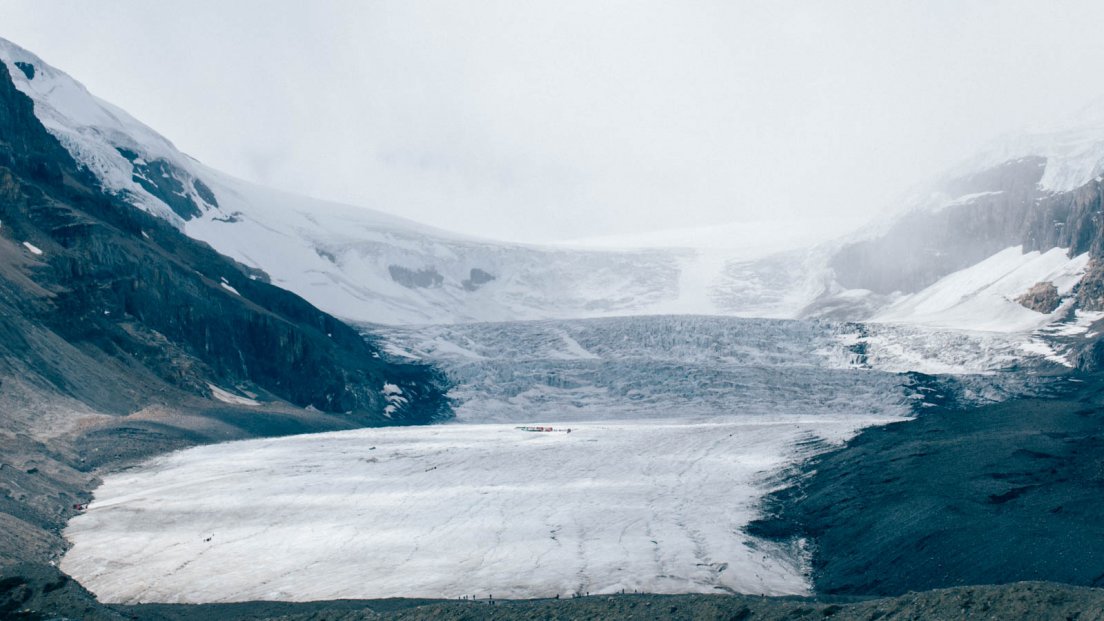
{"x":679,"y":425}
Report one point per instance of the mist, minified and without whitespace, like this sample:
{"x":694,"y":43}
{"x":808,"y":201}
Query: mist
{"x":551,"y":121}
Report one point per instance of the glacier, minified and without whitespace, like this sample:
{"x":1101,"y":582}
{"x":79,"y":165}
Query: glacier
{"x":678,"y":426}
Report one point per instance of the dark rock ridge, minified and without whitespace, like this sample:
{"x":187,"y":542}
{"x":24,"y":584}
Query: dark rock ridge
{"x":122,"y":283}
{"x":27,"y":69}
{"x":1042,"y":297}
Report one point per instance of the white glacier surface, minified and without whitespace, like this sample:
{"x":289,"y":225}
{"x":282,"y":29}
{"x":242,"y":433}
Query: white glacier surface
{"x":445,"y":511}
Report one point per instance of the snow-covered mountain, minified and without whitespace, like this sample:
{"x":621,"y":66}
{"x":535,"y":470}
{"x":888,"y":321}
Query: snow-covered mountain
{"x":961,"y":253}
{"x":365,"y":265}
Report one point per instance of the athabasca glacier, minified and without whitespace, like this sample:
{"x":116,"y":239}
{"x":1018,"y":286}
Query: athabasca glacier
{"x":678,"y":425}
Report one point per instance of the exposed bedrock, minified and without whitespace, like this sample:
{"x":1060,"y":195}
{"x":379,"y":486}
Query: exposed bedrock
{"x":1042,"y":297}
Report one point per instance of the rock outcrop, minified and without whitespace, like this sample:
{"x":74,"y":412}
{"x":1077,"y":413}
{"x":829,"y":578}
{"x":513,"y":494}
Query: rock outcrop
{"x":1090,"y":291}
{"x":1042,"y":297}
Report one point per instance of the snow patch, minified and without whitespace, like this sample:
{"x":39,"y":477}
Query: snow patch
{"x":229,"y":397}
{"x":226,"y":285}
{"x":1041,"y":348}
{"x":392,"y":394}
{"x":966,"y":199}
{"x":35,"y":250}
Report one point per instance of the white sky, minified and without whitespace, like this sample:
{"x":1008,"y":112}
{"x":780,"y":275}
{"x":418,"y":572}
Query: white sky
{"x":566,"y":119}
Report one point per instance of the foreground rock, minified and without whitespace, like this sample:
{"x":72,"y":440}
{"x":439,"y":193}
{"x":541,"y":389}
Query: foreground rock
{"x":1042,"y":298}
{"x":996,"y":494}
{"x":44,"y":594}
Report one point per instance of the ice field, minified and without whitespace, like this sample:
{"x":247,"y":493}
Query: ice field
{"x":679,"y":425}
{"x":446,"y":511}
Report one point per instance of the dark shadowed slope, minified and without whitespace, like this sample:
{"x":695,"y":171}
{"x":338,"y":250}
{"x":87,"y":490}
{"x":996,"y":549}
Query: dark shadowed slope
{"x":997,"y":494}
{"x":36,"y":597}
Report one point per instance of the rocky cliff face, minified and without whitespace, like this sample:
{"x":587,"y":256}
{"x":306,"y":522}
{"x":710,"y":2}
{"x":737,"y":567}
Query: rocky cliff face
{"x":970,"y":219}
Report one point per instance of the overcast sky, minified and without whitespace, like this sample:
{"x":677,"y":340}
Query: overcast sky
{"x":562,"y":119}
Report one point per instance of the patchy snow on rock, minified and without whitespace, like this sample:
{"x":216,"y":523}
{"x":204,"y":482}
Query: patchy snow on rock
{"x":1039,"y":347}
{"x":229,"y":288}
{"x":1079,"y":324}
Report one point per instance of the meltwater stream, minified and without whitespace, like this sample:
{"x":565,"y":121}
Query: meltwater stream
{"x":679,"y":425}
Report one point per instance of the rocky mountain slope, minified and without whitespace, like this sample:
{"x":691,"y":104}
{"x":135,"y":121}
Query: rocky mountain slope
{"x":120,"y":337}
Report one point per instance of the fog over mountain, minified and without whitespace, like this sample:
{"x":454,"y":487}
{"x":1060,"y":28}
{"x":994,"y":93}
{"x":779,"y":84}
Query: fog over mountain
{"x":530,"y":121}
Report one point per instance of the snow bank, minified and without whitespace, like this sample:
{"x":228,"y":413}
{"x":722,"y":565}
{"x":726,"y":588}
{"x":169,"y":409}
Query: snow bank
{"x":983,"y":297}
